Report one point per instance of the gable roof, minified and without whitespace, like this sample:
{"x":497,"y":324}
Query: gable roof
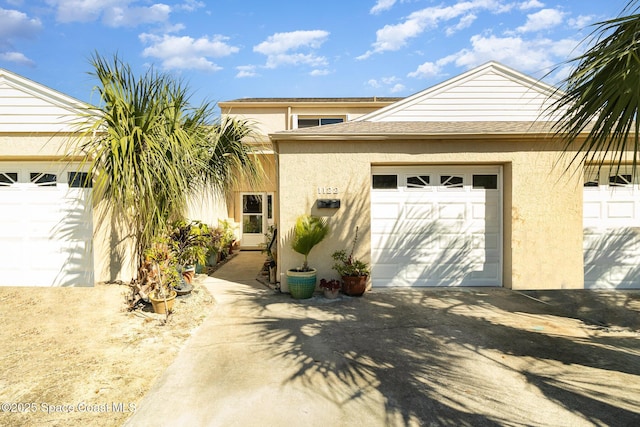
{"x":27,"y":106}
{"x":490,"y":92}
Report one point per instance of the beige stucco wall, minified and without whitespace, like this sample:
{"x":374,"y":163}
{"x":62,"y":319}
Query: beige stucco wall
{"x":269,"y":119}
{"x":37,"y":146}
{"x":542,"y":201}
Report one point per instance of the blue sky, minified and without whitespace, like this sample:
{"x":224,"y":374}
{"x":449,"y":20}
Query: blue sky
{"x":228,"y":49}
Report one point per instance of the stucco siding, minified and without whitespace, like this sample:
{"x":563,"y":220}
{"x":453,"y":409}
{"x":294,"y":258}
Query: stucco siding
{"x":542,"y":203}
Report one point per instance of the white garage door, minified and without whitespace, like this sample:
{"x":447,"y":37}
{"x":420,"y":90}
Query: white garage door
{"x":436,"y":226}
{"x":45,"y":226}
{"x":611,"y":229}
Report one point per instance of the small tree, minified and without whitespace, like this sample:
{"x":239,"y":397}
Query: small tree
{"x":149,"y":150}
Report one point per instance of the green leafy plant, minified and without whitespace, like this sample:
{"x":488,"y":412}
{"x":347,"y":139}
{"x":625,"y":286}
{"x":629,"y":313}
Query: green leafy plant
{"x":347,"y":265}
{"x":308,"y":232}
{"x":190,"y":242}
{"x":161,"y":269}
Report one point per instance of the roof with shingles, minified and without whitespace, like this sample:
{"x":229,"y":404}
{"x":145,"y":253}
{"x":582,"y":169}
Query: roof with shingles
{"x":315,"y":100}
{"x":418,"y":129}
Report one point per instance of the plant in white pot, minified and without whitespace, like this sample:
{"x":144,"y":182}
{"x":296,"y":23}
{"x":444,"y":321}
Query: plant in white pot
{"x":307,"y":232}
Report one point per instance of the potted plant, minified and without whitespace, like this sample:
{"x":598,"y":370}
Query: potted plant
{"x":331,"y":288}
{"x":190,"y":241}
{"x":354,"y":273}
{"x":307,"y":232}
{"x":162,"y":276}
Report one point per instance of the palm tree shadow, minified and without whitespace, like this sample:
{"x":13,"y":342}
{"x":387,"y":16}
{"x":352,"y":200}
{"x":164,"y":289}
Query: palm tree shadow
{"x":419,"y":352}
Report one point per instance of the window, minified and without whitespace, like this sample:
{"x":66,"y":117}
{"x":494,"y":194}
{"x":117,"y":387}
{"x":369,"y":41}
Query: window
{"x":420,"y":181}
{"x":8,"y":178}
{"x":591,"y":177}
{"x":451,"y":181}
{"x":43,"y":179}
{"x":79,"y":180}
{"x":488,"y":182}
{"x":321,"y":121}
{"x":385,"y":182}
{"x":621,"y":180}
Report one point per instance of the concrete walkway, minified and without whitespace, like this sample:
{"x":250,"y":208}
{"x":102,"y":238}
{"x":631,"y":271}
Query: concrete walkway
{"x":483,"y":357}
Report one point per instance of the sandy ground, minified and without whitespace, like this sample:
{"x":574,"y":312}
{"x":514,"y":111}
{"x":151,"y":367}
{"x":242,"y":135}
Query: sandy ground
{"x":75,"y":356}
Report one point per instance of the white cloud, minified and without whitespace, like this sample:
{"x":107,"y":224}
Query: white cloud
{"x":16,"y":24}
{"x":542,"y":20}
{"x":531,"y":4}
{"x":392,"y":83}
{"x":397,"y":88}
{"x":246,"y":71}
{"x":17,"y":58}
{"x":381,"y":6}
{"x":185,"y":52}
{"x":465,"y":22}
{"x":318,"y":72}
{"x":532,"y":56}
{"x":282,"y":48}
{"x":394,"y":37}
{"x":114,"y":13}
{"x":426,"y":70}
{"x":191,"y":5}
{"x":131,"y":17}
{"x":581,"y":21}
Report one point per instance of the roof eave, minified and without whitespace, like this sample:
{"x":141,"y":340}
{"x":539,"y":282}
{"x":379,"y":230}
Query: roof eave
{"x":406,"y":136}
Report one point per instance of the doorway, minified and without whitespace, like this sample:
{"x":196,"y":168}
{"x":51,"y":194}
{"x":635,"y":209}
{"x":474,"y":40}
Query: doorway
{"x":257,"y":216}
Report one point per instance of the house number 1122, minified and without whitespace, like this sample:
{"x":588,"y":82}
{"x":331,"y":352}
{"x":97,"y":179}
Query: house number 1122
{"x":327,"y":190}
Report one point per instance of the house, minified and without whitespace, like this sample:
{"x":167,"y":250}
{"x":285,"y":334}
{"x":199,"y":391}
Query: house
{"x":462,"y":184}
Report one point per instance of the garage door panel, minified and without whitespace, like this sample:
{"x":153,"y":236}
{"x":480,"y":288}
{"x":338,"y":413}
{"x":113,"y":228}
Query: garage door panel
{"x":453,"y":210}
{"x":386,"y":211}
{"x":50,"y":226}
{"x":621,"y":210}
{"x":446,"y":233}
{"x":418,"y":211}
{"x":611,"y":238}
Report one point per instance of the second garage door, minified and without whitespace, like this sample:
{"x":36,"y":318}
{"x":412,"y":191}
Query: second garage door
{"x":45,"y":226}
{"x":436,"y":226}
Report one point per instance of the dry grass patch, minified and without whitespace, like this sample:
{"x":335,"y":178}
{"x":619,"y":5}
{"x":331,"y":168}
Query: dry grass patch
{"x":75,"y":356}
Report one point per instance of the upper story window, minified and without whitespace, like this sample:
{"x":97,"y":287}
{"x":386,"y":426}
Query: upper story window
{"x":318,"y":121}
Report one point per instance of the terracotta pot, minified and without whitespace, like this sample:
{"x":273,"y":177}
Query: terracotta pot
{"x":159,"y":305}
{"x":354,"y":285}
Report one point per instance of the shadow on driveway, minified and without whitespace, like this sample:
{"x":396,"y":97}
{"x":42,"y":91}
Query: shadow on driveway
{"x":403,"y":357}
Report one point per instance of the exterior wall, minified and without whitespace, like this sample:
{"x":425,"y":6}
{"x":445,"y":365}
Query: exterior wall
{"x":269,"y":119}
{"x":542,"y":201}
{"x":268,"y":184}
{"x":17,"y":146}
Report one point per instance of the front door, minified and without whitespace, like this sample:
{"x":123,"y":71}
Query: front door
{"x":257,"y":215}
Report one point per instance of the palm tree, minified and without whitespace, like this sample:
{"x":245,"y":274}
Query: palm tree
{"x":148,"y":150}
{"x":601,"y":96}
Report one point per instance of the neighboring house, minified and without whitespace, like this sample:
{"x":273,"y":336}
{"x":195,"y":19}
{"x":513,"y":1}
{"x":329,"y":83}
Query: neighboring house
{"x":462,"y":184}
{"x":46,"y":220}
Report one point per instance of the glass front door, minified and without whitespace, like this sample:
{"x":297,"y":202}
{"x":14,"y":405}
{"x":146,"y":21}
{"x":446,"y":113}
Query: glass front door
{"x":257,"y":215}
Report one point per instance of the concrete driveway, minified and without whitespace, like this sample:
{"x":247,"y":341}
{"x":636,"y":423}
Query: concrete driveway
{"x":482,"y":357}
